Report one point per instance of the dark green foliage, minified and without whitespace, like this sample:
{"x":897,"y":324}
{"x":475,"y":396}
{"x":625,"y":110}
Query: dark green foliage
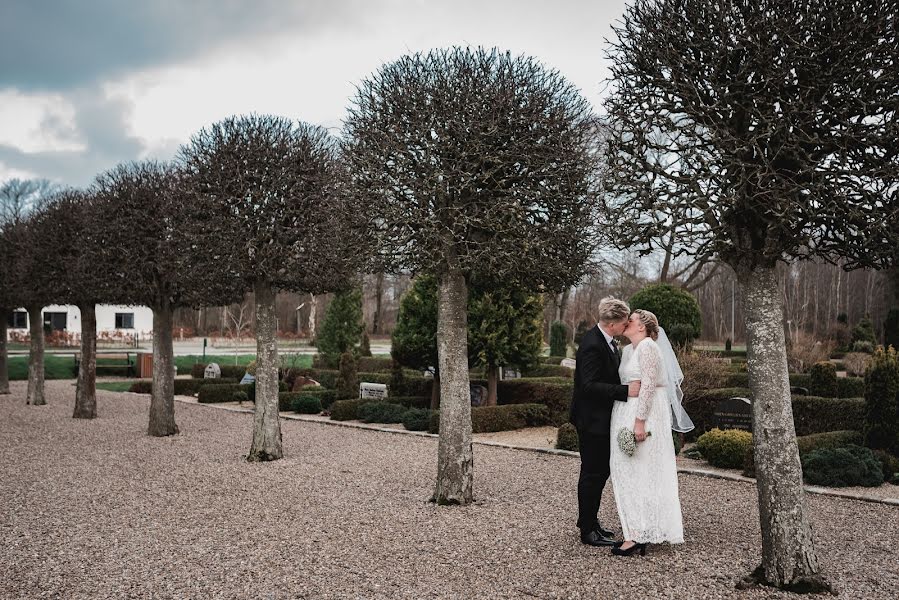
{"x":397,"y":376}
{"x":417,"y":419}
{"x":566,"y":437}
{"x":365,"y":345}
{"x":306,"y":404}
{"x":864,"y":332}
{"x":544,"y":370}
{"x":678,"y":439}
{"x":850,"y":387}
{"x":551,"y":360}
{"x":183,"y":387}
{"x":558,"y":339}
{"x":725,"y":448}
{"x":812,"y":414}
{"x":342,"y":326}
{"x":841,"y":467}
{"x":579,"y":331}
{"x":210,"y":394}
{"x":843,"y":318}
{"x":325,"y":397}
{"x":891,"y":329}
{"x":348,"y":379}
{"x":486,"y":419}
{"x":554,"y":394}
{"x":345,"y":410}
{"x":863,"y":346}
{"x":381,"y":412}
{"x":728,"y":345}
{"x":504,"y":328}
{"x":823,"y":380}
{"x":882,"y":401}
{"x":414,"y":339}
{"x":808,"y":443}
{"x":677,"y":311}
{"x":889,"y":465}
{"x":228,"y":371}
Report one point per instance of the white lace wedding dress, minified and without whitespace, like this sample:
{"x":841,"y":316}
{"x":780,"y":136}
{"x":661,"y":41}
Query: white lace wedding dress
{"x":645,"y":484}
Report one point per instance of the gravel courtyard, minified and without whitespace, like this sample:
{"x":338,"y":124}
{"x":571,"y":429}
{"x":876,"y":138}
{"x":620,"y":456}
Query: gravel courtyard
{"x":96,"y":509}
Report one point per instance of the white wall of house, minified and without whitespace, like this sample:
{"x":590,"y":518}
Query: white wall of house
{"x":112,"y":320}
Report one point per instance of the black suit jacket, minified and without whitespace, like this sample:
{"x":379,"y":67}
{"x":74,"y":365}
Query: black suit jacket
{"x":596,"y":384}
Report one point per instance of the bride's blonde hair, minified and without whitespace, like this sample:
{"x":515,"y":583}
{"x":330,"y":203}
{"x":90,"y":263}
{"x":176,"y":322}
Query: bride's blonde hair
{"x":649,"y":321}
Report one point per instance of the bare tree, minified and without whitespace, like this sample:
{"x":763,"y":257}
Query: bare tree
{"x":18,"y":197}
{"x":779,"y":145}
{"x":141,"y":202}
{"x":268,"y":191}
{"x":479,"y":164}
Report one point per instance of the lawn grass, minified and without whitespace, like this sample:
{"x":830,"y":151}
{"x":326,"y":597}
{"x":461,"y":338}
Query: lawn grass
{"x":185,"y":363}
{"x":55,"y":367}
{"x":115,"y":386}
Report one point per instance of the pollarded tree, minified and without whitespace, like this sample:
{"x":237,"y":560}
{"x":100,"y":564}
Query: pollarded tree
{"x":271,"y":215}
{"x":70,"y":234}
{"x":768,"y":129}
{"x":479,"y":165}
{"x":140,"y":206}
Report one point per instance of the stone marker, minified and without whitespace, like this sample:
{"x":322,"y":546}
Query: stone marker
{"x":372,"y":391}
{"x":478,"y":394}
{"x":569,"y":362}
{"x":213,"y":371}
{"x":734,"y":413}
{"x":510,"y":373}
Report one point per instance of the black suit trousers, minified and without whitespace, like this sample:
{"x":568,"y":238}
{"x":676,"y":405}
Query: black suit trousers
{"x":595,"y":452}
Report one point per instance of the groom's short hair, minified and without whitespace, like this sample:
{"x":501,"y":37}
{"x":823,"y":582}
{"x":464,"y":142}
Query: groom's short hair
{"x":613,"y":310}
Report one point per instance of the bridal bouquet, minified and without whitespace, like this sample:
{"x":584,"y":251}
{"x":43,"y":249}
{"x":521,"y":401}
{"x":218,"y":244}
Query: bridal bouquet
{"x":627,"y":440}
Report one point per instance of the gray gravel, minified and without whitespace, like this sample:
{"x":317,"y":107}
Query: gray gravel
{"x":99,"y":510}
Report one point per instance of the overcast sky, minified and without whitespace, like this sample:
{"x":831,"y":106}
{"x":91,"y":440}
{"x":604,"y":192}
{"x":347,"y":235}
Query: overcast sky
{"x":86,"y":84}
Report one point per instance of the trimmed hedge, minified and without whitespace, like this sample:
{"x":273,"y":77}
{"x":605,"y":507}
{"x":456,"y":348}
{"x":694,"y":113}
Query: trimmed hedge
{"x":417,"y":419}
{"x":810,"y":443}
{"x":850,"y":387}
{"x":381,"y":412}
{"x":306,"y":404}
{"x":487,"y":419}
{"x":211,"y":394}
{"x":548,"y":371}
{"x":554,"y":394}
{"x":325,"y":397}
{"x":812,"y":414}
{"x":702,"y":408}
{"x":345,"y":410}
{"x":725,"y":448}
{"x":228,"y":371}
{"x":823,"y":376}
{"x":840,"y":467}
{"x":183,"y":387}
{"x":847,"y":387}
{"x":566,"y":438}
{"x":551,"y":360}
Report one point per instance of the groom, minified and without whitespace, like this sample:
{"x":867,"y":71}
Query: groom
{"x":596,"y":389}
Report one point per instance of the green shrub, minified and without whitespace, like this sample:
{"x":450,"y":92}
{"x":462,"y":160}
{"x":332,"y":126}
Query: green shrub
{"x":345,"y":410}
{"x":410,"y":401}
{"x":381,"y":412}
{"x":545,"y":370}
{"x":579,"y":331}
{"x":728,"y":345}
{"x":228,"y":371}
{"x":342,"y":327}
{"x":240,"y":397}
{"x":558,"y":339}
{"x":891,"y":329}
{"x":741,"y":380}
{"x":890,"y":466}
{"x":812,"y":414}
{"x":347,"y":380}
{"x":566,"y":438}
{"x":823,"y":380}
{"x":325,"y":397}
{"x":725,"y":448}
{"x":863,"y":346}
{"x":211,"y":394}
{"x":850,"y":387}
{"x":842,"y":467}
{"x":864,"y":332}
{"x":554,"y":394}
{"x":882,"y":401}
{"x":809,"y":443}
{"x":183,"y":387}
{"x":327,"y":362}
{"x":417,"y":419}
{"x":552,"y":360}
{"x":365,"y":345}
{"x":306,"y":404}
{"x":486,"y":419}
{"x":677,"y":310}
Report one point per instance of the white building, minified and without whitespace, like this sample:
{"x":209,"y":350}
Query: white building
{"x":113,"y":321}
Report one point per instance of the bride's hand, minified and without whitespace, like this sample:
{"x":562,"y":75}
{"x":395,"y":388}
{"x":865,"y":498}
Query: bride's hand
{"x":640,"y":430}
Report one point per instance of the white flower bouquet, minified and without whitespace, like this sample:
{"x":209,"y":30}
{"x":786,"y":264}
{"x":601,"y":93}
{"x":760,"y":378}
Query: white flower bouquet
{"x":627,"y":440}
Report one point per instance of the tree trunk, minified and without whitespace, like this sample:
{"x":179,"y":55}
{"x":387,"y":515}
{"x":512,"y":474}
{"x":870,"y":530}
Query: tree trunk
{"x":492,"y":377}
{"x":455,"y":463}
{"x":313,"y":304}
{"x":376,"y":318}
{"x":162,"y":397}
{"x":35,"y":394}
{"x":266,"y":424}
{"x":4,"y":355}
{"x":788,"y":554}
{"x":435,"y":392}
{"x":86,"y":387}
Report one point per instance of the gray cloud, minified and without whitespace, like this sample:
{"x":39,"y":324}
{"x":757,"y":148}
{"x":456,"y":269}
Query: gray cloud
{"x":58,"y":45}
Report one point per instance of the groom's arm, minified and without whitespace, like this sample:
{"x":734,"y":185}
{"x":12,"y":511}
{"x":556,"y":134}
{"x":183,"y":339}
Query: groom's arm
{"x":591,"y":364}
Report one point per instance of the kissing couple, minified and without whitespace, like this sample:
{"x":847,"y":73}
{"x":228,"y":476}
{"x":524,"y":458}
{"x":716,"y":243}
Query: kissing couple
{"x":625,"y":405}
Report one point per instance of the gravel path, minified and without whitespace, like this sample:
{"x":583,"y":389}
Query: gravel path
{"x":99,"y":510}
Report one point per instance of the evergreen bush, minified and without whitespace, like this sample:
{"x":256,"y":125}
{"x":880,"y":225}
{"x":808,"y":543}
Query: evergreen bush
{"x":823,"y":380}
{"x":728,"y":345}
{"x":891,"y":329}
{"x":345,"y":410}
{"x":558,"y":339}
{"x":864,"y":332}
{"x":725,"y":448}
{"x":566,"y":438}
{"x":348,"y":379}
{"x":306,"y":404}
{"x":381,"y":412}
{"x":579,"y":331}
{"x":890,"y":466}
{"x":677,"y":310}
{"x":841,"y":467}
{"x":365,"y":345}
{"x":417,"y":419}
{"x":882,"y":401}
{"x":342,"y":326}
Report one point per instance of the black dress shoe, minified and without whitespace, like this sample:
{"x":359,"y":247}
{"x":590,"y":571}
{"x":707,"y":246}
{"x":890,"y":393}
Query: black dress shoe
{"x":641,"y":548}
{"x":603,"y":532}
{"x":594,"y":538}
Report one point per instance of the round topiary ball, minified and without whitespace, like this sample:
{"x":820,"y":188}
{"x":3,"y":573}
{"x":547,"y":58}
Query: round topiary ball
{"x":566,"y":438}
{"x":677,"y":310}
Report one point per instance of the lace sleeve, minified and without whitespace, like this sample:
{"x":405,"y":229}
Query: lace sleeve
{"x":650,"y":361}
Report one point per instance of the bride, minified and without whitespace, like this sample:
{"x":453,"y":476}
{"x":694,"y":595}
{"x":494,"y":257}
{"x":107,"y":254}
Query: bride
{"x":645,"y":483}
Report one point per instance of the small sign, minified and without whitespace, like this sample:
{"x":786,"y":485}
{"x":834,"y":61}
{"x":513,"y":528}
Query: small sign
{"x":569,"y":362}
{"x":429,"y":372}
{"x":372,"y":391}
{"x":213,"y":371}
{"x":478,"y":395}
{"x":509,"y":373}
{"x":734,"y":413}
